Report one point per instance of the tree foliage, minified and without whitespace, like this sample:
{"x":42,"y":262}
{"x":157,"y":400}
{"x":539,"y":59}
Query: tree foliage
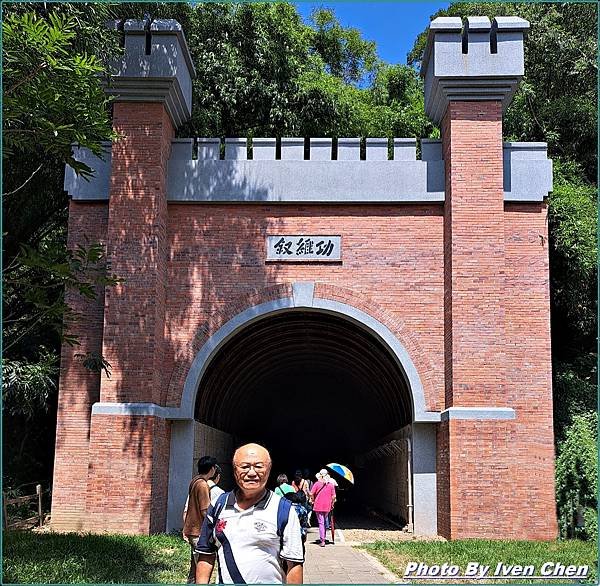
{"x":51,"y":96}
{"x":262,"y":72}
{"x":577,"y":478}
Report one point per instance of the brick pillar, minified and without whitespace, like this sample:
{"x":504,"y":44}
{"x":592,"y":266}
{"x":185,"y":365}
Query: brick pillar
{"x":475,"y":367}
{"x":474,"y":254}
{"x":470,"y":77}
{"x":79,"y":388}
{"x":133,"y":319}
{"x":129,"y":445}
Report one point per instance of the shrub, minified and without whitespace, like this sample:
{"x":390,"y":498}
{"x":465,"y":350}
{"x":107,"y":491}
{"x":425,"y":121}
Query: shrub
{"x":577,"y":478}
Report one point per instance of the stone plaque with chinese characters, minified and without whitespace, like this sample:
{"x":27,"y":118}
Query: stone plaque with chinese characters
{"x":304,"y":248}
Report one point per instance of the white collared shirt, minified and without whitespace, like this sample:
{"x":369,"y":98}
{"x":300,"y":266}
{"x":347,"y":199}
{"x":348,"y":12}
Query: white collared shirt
{"x":249,"y":549}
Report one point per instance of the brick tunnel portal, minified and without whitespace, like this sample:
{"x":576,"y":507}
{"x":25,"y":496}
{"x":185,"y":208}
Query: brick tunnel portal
{"x":313,"y":388}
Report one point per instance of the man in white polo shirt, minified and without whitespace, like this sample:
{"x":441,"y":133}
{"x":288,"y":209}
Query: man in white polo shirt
{"x":256,"y":533}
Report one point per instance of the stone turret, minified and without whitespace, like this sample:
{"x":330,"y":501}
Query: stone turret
{"x":481,"y":60}
{"x":156,"y":67}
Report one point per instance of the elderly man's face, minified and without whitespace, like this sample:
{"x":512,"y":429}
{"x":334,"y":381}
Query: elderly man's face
{"x":251,"y":468}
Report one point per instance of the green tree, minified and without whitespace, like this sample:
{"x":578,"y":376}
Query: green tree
{"x":52,"y":98}
{"x":577,"y":478}
{"x":557,"y":98}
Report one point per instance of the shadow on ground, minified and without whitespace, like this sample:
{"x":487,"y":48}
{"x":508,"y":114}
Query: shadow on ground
{"x":71,"y":558}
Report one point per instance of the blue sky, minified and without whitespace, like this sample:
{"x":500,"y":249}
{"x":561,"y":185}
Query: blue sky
{"x":392,"y":25}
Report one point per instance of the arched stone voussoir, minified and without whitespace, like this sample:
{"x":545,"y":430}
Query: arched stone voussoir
{"x":318,"y":297}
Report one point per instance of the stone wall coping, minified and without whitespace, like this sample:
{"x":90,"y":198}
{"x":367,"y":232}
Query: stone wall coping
{"x":478,"y":413}
{"x":291,"y":179}
{"x":138,"y":409}
{"x":158,"y":26}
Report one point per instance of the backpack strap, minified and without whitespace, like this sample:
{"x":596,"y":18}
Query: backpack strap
{"x":219,"y":505}
{"x":283,"y":513}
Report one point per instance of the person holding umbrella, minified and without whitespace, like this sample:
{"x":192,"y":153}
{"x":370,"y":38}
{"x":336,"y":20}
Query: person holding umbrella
{"x":344,"y":473}
{"x":322,"y":495}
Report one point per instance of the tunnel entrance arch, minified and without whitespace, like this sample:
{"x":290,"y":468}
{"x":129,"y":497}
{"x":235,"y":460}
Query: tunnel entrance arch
{"x":312,"y":358}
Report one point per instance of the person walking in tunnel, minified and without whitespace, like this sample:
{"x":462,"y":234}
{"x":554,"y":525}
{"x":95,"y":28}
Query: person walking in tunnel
{"x":302,"y":488}
{"x":309,"y":484}
{"x":299,"y":484}
{"x":299,"y":504}
{"x":196,"y":506}
{"x":282,"y":486}
{"x":255,"y":532}
{"x":323,"y":498}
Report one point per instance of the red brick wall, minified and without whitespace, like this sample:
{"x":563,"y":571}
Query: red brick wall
{"x":122,"y":489}
{"x":497,"y":479}
{"x":392,"y":268}
{"x":443,"y":479}
{"x":190,"y":268}
{"x":134,"y":310}
{"x":79,"y":388}
{"x":482,"y":481}
{"x":529,"y":376}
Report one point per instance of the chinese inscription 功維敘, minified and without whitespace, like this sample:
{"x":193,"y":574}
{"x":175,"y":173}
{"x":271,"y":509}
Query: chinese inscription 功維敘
{"x":325,"y":248}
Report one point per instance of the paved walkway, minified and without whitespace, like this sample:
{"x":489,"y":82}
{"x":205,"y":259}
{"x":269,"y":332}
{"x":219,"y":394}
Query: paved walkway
{"x":342,"y":563}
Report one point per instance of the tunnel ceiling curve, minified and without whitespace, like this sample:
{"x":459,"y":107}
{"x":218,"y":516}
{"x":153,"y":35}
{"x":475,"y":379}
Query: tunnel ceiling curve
{"x":308,"y":359}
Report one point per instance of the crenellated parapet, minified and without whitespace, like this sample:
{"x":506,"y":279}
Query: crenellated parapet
{"x":480,"y":60}
{"x":197,"y":173}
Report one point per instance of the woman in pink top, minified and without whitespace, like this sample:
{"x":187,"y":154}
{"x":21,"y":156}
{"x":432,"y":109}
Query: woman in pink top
{"x":322,"y":495}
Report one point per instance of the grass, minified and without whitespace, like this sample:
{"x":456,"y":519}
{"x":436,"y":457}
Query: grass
{"x":396,"y":555}
{"x":72,"y":558}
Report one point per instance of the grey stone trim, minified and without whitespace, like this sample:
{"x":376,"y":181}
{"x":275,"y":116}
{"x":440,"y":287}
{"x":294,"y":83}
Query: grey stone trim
{"x":377,"y":149}
{"x":264,"y":149}
{"x":303,"y":294}
{"x":478,"y":413}
{"x":348,"y":149}
{"x":149,"y":409}
{"x":169,"y":26}
{"x":289,"y":181}
{"x":292,"y":149}
{"x":163,"y":76}
{"x":300,"y":298}
{"x":527,"y":173}
{"x":405,"y":149}
{"x":235,"y":149}
{"x":181,"y":458}
{"x":488,"y":66}
{"x":424,"y":450}
{"x":97,"y":188}
{"x":208,"y":148}
{"x":321,"y":149}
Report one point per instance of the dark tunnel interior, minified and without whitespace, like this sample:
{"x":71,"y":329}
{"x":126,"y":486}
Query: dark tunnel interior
{"x":312,"y":387}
